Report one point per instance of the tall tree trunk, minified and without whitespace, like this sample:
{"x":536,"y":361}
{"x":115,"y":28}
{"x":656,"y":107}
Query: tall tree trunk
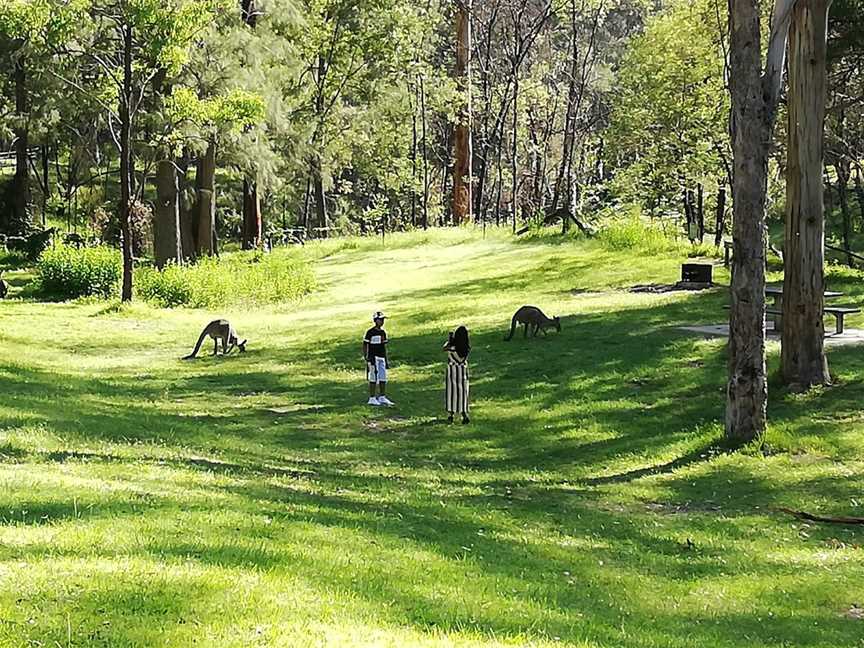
{"x":252,"y":222}
{"x":425,"y":153}
{"x":803,"y":343}
{"x":536,"y":170}
{"x":318,"y":191}
{"x":315,"y":160}
{"x":412,"y":100}
{"x":19,"y":191}
{"x":842,"y":167}
{"x":514,"y":198}
{"x":167,"y":242}
{"x":700,"y":212}
{"x":126,"y":168}
{"x":462,"y":134}
{"x":565,"y":170}
{"x":499,"y":184}
{"x":46,"y":183}
{"x":307,"y":196}
{"x":859,"y":191}
{"x":689,"y":217}
{"x":205,"y":181}
{"x":720,"y":222}
{"x":754,"y":100}
{"x":253,"y":225}
{"x":188,"y":216}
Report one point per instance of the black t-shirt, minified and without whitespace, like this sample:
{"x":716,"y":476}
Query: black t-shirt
{"x":376,"y":338}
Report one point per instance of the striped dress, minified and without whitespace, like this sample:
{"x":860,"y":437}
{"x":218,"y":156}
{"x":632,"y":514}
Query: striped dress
{"x":456,"y":384}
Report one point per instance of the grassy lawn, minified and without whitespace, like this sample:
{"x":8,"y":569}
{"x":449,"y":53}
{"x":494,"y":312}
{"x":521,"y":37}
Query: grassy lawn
{"x":256,"y":501}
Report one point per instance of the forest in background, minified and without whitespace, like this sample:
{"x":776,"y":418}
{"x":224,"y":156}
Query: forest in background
{"x":192,"y":123}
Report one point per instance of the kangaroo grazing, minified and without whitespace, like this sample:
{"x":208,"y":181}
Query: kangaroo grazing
{"x":533,"y":316}
{"x":219,"y":330}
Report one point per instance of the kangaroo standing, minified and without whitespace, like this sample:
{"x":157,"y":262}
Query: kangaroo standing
{"x":220,"y":329}
{"x":533,"y":316}
{"x":4,"y":288}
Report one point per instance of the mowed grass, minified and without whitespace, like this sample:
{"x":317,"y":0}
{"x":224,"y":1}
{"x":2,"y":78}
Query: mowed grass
{"x":255,"y":500}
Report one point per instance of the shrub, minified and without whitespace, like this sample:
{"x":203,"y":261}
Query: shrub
{"x":68,"y":272}
{"x":634,"y":234}
{"x":240,"y":278}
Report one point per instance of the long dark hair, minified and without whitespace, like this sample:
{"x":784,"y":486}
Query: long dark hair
{"x":461,"y":343}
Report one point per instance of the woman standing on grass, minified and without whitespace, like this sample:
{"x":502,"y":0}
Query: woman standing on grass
{"x":456,"y":385}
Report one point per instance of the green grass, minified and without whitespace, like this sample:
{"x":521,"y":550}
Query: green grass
{"x":255,"y":501}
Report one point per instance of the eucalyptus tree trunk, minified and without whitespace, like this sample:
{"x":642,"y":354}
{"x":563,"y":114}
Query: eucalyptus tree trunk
{"x":45,"y":153}
{"x":803,"y":344}
{"x":573,"y":99}
{"x":126,"y":168}
{"x":720,"y":217}
{"x":316,"y":171}
{"x":462,"y":132}
{"x":205,"y":182}
{"x":843,"y":170}
{"x":318,"y":192}
{"x":514,"y":168}
{"x":188,"y":215}
{"x":412,"y":101}
{"x":18,"y":202}
{"x":423,"y":125}
{"x":167,"y":243}
{"x":253,"y":224}
{"x":755,"y":95}
{"x":859,"y":191}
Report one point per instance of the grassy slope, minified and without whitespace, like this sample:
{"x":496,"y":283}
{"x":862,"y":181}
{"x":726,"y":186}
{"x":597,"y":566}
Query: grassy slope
{"x":255,"y":500}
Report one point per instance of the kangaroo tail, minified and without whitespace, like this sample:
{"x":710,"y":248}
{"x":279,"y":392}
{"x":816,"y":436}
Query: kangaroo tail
{"x":197,"y":345}
{"x":512,"y":329}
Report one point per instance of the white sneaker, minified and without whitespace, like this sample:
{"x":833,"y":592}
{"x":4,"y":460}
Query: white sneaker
{"x":383,"y":400}
{"x":373,"y":401}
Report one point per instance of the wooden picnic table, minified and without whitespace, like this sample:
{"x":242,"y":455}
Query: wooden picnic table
{"x":775,"y":310}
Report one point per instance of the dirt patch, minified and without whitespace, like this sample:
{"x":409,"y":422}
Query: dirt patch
{"x":666,"y":288}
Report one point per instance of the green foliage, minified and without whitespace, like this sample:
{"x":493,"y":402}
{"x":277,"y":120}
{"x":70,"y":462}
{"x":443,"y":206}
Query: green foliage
{"x":40,"y":22}
{"x":240,"y":278}
{"x":170,"y":27}
{"x":236,"y":110}
{"x":636,"y":235}
{"x":670,"y":110}
{"x":68,"y":272}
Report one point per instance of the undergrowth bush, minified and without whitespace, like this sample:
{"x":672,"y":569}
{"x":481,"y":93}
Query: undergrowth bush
{"x":69,"y":272}
{"x":635,"y":234}
{"x":241,"y":278}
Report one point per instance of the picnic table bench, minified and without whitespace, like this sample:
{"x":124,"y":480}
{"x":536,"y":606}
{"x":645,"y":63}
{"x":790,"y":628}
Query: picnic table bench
{"x":776,"y":309}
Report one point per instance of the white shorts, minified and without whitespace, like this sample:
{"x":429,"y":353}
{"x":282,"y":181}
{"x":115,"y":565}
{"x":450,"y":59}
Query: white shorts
{"x":377,"y":370}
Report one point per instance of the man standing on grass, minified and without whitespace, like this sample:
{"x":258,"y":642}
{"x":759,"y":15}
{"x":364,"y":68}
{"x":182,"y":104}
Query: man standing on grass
{"x":375,"y":353}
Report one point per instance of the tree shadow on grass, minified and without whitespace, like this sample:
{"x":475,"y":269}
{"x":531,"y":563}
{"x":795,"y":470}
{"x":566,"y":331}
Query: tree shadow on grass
{"x":516,"y":500}
{"x":617,"y":373}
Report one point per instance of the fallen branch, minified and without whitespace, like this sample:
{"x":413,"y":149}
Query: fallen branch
{"x":802,"y":515}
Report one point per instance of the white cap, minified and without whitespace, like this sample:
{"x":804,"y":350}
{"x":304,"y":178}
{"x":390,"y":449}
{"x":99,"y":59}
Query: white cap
{"x":378,"y":315}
